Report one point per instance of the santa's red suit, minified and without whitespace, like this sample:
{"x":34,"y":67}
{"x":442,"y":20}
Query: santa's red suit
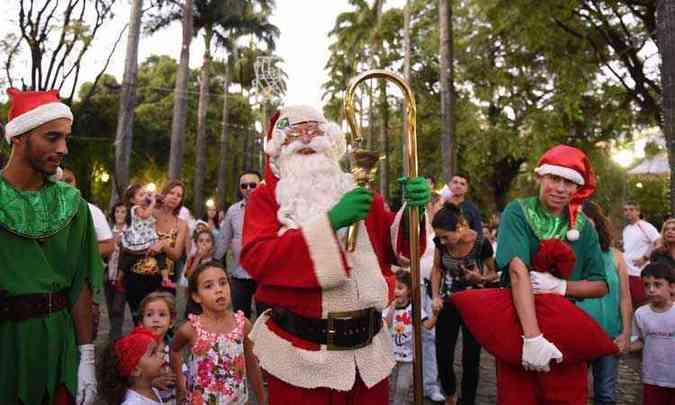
{"x":307,"y":272}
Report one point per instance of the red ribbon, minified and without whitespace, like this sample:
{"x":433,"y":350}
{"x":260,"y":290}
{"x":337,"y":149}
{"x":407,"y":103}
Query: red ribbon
{"x":129,"y":349}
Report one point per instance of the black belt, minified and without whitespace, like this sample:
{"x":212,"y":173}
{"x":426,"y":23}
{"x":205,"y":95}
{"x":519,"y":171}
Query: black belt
{"x":30,"y":306}
{"x":340,"y":331}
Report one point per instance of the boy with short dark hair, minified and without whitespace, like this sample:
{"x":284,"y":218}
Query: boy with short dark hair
{"x":654,"y":328}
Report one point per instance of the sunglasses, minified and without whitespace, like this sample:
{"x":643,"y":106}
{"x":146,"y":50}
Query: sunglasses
{"x":245,"y":186}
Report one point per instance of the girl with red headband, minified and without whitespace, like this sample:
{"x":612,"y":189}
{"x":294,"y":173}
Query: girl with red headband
{"x":129,"y":366}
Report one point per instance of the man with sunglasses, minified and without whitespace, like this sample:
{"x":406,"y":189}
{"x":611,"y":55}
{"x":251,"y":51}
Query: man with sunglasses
{"x":322,"y":341}
{"x":243,"y":287}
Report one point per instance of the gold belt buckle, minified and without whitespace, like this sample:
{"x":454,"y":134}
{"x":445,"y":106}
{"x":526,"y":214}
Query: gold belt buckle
{"x":347,"y":315}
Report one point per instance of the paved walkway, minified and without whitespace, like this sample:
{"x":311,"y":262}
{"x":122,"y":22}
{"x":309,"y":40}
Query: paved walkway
{"x":629,"y":386}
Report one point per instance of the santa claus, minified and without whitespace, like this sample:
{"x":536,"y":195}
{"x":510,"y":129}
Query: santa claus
{"x":322,"y":341}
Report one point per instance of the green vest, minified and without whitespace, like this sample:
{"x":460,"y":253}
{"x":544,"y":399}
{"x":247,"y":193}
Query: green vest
{"x":607,"y":310}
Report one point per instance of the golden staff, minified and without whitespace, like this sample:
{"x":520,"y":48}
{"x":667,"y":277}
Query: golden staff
{"x":364,"y":162}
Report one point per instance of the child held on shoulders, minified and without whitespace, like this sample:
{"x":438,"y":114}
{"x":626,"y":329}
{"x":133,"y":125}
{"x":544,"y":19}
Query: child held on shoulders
{"x":157,"y":313}
{"x":220,"y":359}
{"x":128,"y":368}
{"x":654,"y":328}
{"x":398,"y":318}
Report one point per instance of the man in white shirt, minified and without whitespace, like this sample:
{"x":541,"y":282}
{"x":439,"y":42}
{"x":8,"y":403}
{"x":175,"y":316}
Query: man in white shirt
{"x":639,"y":240}
{"x":104,"y":235}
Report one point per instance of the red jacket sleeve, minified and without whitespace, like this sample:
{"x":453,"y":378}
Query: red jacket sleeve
{"x":310,"y":257}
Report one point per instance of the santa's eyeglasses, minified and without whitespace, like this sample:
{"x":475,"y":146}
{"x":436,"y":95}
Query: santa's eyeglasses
{"x":309,"y":129}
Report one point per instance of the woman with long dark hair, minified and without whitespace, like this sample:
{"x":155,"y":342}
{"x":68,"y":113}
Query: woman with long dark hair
{"x":462,"y":260}
{"x":613,"y":311}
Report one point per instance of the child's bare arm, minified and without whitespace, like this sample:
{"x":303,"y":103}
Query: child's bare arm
{"x":184,"y":336}
{"x":253,"y":372}
{"x":430,"y":322}
{"x":636,"y":346}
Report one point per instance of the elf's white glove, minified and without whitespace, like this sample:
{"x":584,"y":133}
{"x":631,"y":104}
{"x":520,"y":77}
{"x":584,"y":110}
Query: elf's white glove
{"x":538,"y":353}
{"x":547,"y":283}
{"x":86,"y":375}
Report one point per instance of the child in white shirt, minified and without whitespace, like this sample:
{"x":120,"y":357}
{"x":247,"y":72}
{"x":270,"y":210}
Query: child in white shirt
{"x":398,"y":318}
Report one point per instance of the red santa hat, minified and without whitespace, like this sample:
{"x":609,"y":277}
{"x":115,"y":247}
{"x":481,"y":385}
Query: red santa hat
{"x":30,"y":109}
{"x":572,"y":164}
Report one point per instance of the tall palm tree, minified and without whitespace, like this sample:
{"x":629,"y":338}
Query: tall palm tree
{"x":223,"y":21}
{"x":665,"y":31}
{"x":125,"y":116}
{"x":180,"y":92}
{"x":447,"y":93}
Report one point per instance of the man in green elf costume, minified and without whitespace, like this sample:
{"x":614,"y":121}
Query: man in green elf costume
{"x":50,"y":262}
{"x":565,"y":180}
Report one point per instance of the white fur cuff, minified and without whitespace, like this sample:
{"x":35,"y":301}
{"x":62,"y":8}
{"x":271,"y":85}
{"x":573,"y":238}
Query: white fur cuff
{"x":325,"y":252}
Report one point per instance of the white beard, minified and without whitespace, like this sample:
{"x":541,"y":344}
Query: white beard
{"x":309,"y":186}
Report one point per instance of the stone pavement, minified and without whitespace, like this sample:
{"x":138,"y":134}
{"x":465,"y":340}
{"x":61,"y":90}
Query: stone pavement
{"x":629,"y":386}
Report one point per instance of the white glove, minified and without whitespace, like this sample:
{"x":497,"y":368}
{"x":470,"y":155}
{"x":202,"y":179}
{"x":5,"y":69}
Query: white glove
{"x":547,"y":283}
{"x":86,"y":375}
{"x":538,"y":353}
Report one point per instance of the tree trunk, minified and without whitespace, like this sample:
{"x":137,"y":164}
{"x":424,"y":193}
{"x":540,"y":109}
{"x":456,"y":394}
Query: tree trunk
{"x":665,"y":31}
{"x":180,"y":97}
{"x":200,"y":151}
{"x":236,"y":165}
{"x":407,"y":56}
{"x":125,"y":116}
{"x":447,"y":93}
{"x":245,"y":150}
{"x":222,"y":164}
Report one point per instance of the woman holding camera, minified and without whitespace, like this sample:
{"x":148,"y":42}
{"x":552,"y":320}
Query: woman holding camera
{"x":462,"y":260}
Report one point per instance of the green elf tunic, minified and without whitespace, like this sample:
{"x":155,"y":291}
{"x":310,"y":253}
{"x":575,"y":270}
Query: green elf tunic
{"x":47,"y":244}
{"x":525,"y":222}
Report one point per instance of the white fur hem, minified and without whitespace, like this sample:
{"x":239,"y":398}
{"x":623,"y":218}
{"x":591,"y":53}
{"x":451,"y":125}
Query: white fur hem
{"x":324,"y":250}
{"x":321,"y":368}
{"x":36,"y":117}
{"x":561,"y":171}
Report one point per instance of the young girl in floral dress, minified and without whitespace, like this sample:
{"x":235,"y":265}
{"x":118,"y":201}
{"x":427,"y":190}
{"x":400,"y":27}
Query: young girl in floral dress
{"x":221,"y":356}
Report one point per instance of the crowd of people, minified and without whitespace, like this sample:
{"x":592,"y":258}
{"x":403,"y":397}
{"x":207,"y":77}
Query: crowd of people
{"x":266,"y":300}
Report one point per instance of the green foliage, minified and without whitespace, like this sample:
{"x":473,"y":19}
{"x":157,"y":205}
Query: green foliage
{"x":528,"y":75}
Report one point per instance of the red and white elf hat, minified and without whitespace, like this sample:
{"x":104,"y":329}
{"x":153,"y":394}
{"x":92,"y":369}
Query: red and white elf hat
{"x":30,"y":109}
{"x":572,"y":164}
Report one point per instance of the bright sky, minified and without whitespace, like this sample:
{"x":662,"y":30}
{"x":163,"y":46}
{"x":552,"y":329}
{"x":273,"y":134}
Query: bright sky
{"x":303,"y":44}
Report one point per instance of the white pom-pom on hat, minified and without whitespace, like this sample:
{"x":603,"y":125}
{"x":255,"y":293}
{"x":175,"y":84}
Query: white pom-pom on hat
{"x":573,"y":235}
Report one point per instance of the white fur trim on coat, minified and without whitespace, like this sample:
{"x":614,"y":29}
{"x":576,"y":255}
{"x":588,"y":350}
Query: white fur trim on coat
{"x":561,"y":171}
{"x":36,"y":117}
{"x":324,"y":250}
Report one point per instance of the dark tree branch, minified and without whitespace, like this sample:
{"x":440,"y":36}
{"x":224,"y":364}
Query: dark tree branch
{"x":92,"y":89}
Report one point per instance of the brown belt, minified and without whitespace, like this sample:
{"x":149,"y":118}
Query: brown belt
{"x":31,"y":306}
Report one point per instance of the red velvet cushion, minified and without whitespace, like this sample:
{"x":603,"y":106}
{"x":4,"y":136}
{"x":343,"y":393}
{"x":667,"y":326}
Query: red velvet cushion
{"x":491,"y":317}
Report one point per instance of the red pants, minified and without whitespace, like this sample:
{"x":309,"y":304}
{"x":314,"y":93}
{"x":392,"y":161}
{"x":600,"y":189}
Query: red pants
{"x":566,"y":384}
{"x":281,"y":393}
{"x":637,"y":291}
{"x":62,"y":396}
{"x":655,"y":395}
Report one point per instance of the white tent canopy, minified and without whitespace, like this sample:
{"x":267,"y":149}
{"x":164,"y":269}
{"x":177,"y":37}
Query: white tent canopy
{"x":654,"y":166}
